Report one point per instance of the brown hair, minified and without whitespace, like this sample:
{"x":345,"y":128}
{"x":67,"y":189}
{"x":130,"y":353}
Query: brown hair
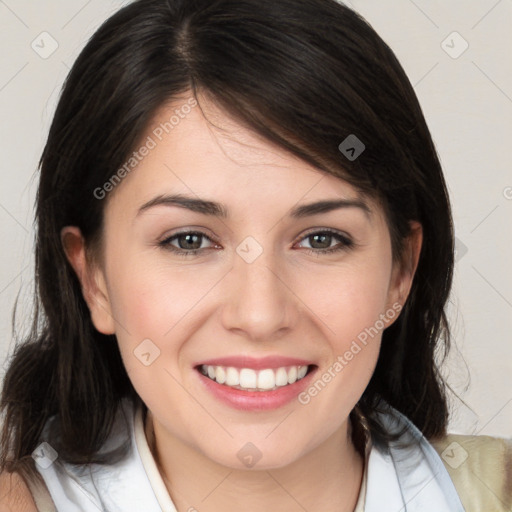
{"x":304,"y":74}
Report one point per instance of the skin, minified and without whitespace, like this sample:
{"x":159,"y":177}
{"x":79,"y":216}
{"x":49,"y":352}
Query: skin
{"x":287,"y":302}
{"x":15,"y":494}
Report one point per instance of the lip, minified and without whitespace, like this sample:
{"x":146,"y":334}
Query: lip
{"x":255,"y":400}
{"x":254,"y":363}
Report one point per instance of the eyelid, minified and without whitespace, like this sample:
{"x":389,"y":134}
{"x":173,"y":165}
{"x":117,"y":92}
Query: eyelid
{"x":187,"y":231}
{"x":345,"y":240}
{"x":320,"y":229}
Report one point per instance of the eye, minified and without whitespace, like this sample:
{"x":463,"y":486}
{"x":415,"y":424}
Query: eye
{"x":190,"y":243}
{"x":186,"y":243}
{"x":320,"y":242}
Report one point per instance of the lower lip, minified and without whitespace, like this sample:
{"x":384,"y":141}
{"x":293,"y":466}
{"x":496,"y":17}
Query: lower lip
{"x":256,"y":400}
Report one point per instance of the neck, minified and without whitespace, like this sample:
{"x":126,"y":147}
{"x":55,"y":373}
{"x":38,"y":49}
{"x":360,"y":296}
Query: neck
{"x":327,"y":478}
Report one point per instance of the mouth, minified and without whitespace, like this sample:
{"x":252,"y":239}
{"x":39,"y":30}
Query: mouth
{"x":255,"y":384}
{"x":249,"y":379}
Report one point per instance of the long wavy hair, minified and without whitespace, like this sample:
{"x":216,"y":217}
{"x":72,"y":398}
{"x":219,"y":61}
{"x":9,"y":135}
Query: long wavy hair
{"x":304,"y":74}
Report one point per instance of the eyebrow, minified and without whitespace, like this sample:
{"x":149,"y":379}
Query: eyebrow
{"x":218,"y":210}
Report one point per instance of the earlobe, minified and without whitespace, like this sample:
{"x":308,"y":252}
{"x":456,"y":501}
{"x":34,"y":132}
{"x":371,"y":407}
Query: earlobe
{"x":91,"y":279}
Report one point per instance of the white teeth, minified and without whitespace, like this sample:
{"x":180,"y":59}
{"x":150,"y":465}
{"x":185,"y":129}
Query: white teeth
{"x":292,"y":375}
{"x":266,"y":379}
{"x":249,"y":379}
{"x":220,"y":375}
{"x":282,"y":376}
{"x":302,"y":372}
{"x":232,"y":376}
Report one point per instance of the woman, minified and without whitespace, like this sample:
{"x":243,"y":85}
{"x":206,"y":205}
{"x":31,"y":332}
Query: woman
{"x":243,"y":257}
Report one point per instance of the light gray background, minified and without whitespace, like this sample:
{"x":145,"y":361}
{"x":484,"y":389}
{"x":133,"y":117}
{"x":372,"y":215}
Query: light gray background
{"x":467,"y":100}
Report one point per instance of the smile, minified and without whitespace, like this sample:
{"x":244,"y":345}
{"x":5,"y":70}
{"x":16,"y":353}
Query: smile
{"x":248,"y":379}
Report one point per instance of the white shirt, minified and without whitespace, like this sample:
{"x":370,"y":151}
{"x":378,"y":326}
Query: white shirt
{"x":396,"y":478}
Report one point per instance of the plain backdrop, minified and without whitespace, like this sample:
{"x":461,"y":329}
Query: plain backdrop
{"x":456,"y":54}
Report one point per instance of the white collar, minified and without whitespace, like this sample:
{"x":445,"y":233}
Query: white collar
{"x":400,"y":478}
{"x":408,"y":475}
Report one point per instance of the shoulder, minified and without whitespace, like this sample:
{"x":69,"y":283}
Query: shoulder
{"x":15,"y":495}
{"x":480,"y":468}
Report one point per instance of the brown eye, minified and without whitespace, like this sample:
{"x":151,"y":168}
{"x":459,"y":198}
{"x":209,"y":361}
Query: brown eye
{"x":187,"y":243}
{"x":321,"y":242}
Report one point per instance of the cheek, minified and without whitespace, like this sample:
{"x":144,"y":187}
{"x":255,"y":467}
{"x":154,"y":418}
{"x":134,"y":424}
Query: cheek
{"x":351,"y":323}
{"x":145,"y":306}
{"x":149,"y":300}
{"x":152,"y":301}
{"x":149,"y":306}
{"x":348,"y":300}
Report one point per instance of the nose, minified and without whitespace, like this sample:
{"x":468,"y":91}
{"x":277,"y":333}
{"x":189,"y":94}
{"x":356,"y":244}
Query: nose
{"x":259,"y":302}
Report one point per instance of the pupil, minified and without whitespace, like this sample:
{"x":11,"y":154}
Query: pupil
{"x":189,"y":243}
{"x":324,"y":237}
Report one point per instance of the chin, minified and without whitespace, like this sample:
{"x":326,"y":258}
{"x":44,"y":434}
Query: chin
{"x":255,"y":455}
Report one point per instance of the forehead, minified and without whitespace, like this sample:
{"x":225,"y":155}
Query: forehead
{"x":198,"y":149}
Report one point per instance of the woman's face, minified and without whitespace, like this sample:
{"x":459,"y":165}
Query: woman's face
{"x":244,"y":280}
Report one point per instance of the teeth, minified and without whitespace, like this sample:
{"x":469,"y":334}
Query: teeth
{"x":232,"y":376}
{"x":282,"y":376}
{"x":292,"y":375}
{"x":220,"y":374}
{"x":266,"y":379}
{"x":252,"y":380}
{"x":248,"y":378}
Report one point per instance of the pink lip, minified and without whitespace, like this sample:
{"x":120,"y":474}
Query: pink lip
{"x":259,"y":363}
{"x":256,"y":400}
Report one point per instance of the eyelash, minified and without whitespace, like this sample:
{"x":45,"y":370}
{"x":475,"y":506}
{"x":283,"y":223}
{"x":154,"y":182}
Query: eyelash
{"x":345,"y":243}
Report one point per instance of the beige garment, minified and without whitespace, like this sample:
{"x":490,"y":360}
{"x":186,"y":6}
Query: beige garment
{"x":481,"y":470}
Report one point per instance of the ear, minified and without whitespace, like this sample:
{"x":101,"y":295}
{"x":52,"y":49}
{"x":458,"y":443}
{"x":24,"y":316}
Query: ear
{"x":91,"y":278}
{"x":405,"y":268}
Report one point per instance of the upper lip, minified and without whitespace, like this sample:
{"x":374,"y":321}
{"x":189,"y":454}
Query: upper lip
{"x":256,"y":363}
